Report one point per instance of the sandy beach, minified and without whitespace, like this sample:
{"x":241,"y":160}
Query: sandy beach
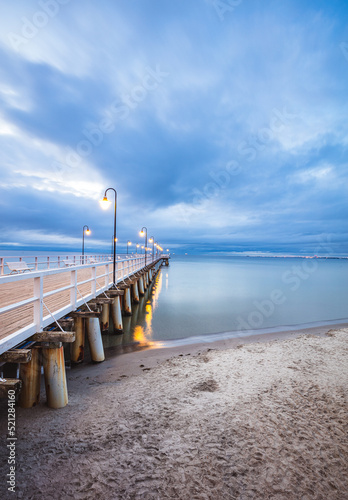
{"x":239,"y":419}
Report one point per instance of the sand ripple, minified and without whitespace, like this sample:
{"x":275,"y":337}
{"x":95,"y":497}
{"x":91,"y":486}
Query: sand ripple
{"x":265,"y":421}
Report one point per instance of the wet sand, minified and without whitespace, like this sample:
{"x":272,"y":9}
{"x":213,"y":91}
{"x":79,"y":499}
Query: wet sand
{"x":250,"y":418}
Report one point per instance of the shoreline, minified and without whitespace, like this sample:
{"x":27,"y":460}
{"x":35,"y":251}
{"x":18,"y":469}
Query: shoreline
{"x":128,"y":356}
{"x":247,"y":418}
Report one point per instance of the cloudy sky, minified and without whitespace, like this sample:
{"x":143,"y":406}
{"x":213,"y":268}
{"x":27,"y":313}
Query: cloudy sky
{"x":222,"y":124}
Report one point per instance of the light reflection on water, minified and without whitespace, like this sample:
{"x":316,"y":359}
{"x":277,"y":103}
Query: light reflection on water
{"x":200,"y":296}
{"x":138,"y":327}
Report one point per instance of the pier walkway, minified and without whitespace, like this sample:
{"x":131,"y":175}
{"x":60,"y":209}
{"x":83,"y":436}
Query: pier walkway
{"x":32,"y":300}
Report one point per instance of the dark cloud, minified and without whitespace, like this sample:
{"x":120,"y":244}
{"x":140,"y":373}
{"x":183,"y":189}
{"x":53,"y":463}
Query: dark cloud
{"x":219,"y":134}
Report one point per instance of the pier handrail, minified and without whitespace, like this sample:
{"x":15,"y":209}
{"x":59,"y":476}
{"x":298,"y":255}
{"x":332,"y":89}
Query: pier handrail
{"x":50,"y":261}
{"x":41,"y":316}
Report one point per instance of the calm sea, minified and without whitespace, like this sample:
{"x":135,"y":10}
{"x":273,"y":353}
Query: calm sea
{"x":202,"y":298}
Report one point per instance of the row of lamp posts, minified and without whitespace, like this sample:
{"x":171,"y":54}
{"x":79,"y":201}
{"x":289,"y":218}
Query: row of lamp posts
{"x":105,"y":204}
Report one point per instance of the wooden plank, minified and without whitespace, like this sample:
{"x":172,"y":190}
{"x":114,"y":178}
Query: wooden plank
{"x":7,"y":384}
{"x":114,"y":293}
{"x":16,"y":356}
{"x":101,"y":300}
{"x":85,"y":314}
{"x":56,"y":336}
{"x":65,"y":322}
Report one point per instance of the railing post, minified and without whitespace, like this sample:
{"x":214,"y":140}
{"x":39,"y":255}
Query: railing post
{"x":2,"y":265}
{"x":38,"y":304}
{"x":94,"y":281}
{"x":73,"y":289}
{"x":48,"y":262}
{"x":107,"y":275}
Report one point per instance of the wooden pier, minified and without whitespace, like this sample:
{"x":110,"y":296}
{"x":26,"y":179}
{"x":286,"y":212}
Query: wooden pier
{"x":49,"y":307}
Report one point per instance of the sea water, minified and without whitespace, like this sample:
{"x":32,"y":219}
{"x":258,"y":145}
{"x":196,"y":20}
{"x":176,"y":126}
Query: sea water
{"x":202,"y":298}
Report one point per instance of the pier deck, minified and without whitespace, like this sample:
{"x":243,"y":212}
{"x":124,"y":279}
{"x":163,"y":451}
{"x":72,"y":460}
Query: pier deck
{"x":31,"y":301}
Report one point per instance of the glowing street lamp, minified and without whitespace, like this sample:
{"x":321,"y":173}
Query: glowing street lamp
{"x":85,"y":230}
{"x":144,"y":233}
{"x":105,"y":204}
{"x":128,"y":244}
{"x":136,"y":248}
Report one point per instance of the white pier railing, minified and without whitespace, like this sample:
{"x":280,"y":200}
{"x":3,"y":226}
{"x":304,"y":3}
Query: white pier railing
{"x":39,"y":263}
{"x":33,"y":300}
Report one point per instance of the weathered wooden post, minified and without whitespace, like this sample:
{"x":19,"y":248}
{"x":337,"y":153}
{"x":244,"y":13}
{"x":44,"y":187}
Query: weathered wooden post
{"x":141,"y":286}
{"x":55,"y":377}
{"x":77,"y":348}
{"x":127,"y":303}
{"x":54,"y":365}
{"x":117,"y":314}
{"x":30,"y":374}
{"x":95,"y":339}
{"x":28,"y":371}
{"x":135,"y":291}
{"x":105,"y":318}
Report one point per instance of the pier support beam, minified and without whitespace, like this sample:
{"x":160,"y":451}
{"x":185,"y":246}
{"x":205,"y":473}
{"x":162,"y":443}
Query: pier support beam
{"x":135,"y":291}
{"x":116,"y":314}
{"x":30,"y":374}
{"x":141,"y":286}
{"x":55,"y":377}
{"x":95,"y":340}
{"x":127,"y":302}
{"x":77,"y":348}
{"x":104,"y":320}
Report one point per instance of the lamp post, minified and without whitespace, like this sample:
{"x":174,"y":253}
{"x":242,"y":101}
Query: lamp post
{"x":105,"y":203}
{"x":128,"y":244}
{"x":142,"y":233}
{"x":152,"y":240}
{"x":88,"y":231}
{"x":136,"y":248}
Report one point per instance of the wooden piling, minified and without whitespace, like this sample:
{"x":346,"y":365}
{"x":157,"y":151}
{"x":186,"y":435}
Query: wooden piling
{"x":141,"y":286}
{"x":95,"y":340}
{"x":104,"y":320}
{"x":116,"y":314}
{"x":127,"y":309}
{"x":135,"y":291}
{"x":55,"y":377}
{"x":77,"y":348}
{"x":30,"y":374}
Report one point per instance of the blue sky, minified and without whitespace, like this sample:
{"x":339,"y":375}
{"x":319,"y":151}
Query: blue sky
{"x":221,"y":124}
